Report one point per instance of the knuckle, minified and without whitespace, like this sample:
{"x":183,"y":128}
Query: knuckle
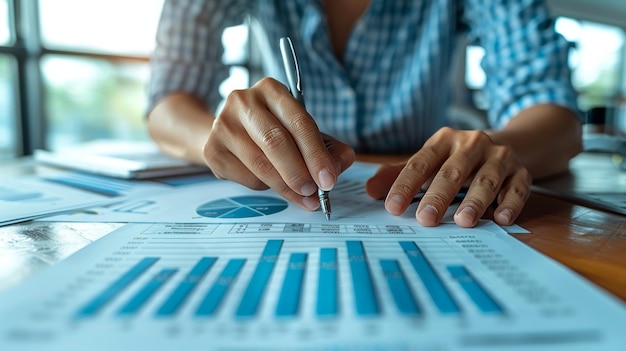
{"x":267,"y":82}
{"x":404,"y":190}
{"x":488,"y":181}
{"x":451,"y":174}
{"x":237,"y":97}
{"x":445,"y":130}
{"x":475,"y":136}
{"x":441,"y":134}
{"x":502,"y":152}
{"x":419,"y":168}
{"x":476,"y":203}
{"x":262,"y":166}
{"x":436,"y":199}
{"x":302,"y":122}
{"x":269,"y":85}
{"x":273,"y":138}
{"x":521,"y":192}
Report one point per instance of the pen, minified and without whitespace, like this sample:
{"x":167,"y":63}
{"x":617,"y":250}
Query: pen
{"x":294,"y":80}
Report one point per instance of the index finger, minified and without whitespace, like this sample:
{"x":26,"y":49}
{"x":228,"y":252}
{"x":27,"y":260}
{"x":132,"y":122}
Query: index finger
{"x":306,"y":136}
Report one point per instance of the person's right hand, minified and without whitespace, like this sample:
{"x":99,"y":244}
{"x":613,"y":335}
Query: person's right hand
{"x":265,"y":138}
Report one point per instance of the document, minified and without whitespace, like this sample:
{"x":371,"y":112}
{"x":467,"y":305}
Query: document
{"x":29,"y":197}
{"x":250,"y":271}
{"x":209,"y":200}
{"x":217,"y":201}
{"x":299,"y":285}
{"x":33,"y":197}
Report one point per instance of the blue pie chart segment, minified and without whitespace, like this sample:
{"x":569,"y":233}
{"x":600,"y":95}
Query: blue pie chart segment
{"x":242,"y":207}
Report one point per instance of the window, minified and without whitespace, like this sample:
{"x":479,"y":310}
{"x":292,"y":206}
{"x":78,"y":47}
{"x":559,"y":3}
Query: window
{"x":8,"y":108}
{"x":596,"y":59}
{"x":125,"y":27}
{"x":82,"y":68}
{"x":5,"y":30}
{"x":88,"y":97}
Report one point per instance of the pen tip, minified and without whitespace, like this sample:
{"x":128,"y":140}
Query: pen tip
{"x":328,"y":216}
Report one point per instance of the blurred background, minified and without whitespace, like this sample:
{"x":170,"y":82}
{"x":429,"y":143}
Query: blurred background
{"x":75,"y":70}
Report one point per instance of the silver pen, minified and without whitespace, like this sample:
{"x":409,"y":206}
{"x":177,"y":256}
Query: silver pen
{"x":294,"y":80}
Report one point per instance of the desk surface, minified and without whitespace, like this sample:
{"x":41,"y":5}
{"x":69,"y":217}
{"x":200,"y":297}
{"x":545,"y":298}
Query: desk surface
{"x":589,"y":241}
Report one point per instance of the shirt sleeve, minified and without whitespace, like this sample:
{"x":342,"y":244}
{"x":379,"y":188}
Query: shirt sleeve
{"x":526,"y":60}
{"x":188,"y":53}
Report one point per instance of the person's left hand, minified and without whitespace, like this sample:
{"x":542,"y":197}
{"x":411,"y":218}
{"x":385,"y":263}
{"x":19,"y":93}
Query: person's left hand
{"x":449,"y":160}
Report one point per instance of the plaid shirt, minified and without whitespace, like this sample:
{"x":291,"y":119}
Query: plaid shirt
{"x":391,"y":90}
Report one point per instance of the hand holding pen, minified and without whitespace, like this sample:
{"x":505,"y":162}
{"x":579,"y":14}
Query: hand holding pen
{"x":264,"y":138}
{"x":294,"y":80}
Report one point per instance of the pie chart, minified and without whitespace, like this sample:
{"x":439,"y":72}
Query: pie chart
{"x":242,"y":207}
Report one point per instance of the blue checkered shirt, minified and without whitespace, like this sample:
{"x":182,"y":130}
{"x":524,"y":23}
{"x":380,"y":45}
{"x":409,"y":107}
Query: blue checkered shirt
{"x":391,"y":90}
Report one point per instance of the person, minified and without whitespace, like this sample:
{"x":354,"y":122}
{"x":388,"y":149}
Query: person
{"x":375,"y":76}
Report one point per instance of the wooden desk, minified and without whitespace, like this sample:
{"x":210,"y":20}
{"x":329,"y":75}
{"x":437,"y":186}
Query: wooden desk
{"x":591,"y":242}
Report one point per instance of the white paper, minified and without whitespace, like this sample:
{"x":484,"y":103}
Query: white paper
{"x":29,"y":197}
{"x":508,"y":297}
{"x":193,"y":204}
{"x":220,"y":201}
{"x":77,"y":304}
{"x":35,"y":196}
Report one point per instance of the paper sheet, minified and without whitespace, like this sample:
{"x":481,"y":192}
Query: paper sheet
{"x":35,"y":196}
{"x":257,"y":273}
{"x":216,"y":201}
{"x":300,"y":285}
{"x":204,"y":201}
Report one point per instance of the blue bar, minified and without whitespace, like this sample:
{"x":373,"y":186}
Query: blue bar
{"x":289,"y":300}
{"x":214,"y":297}
{"x":327,"y":286}
{"x":140,"y":299}
{"x":439,"y":293}
{"x":95,"y":305}
{"x":400,"y":290}
{"x":182,"y":291}
{"x":364,"y":293}
{"x":261,"y":276}
{"x":475,"y":290}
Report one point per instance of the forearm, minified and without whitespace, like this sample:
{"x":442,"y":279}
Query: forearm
{"x":180,"y":125}
{"x":543,"y":137}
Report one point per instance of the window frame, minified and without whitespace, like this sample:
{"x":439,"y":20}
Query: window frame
{"x":28,"y":51}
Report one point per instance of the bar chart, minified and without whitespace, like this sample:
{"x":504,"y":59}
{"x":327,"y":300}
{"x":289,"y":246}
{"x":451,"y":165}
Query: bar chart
{"x":290,"y":297}
{"x":326,"y":285}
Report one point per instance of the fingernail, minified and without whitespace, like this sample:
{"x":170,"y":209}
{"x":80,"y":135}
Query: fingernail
{"x":311,"y":202}
{"x":506,"y":215}
{"x":326,"y":180}
{"x":467,"y":215}
{"x":308,"y":189}
{"x":395,"y":204}
{"x":428,"y":215}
